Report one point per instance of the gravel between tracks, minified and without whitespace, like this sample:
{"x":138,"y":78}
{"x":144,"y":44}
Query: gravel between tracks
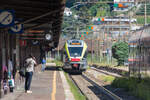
{"x":84,"y":86}
{"x":118,"y":91}
{"x":91,"y":91}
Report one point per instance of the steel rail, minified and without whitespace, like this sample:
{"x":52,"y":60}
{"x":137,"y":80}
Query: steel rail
{"x":74,"y":82}
{"x":98,"y":70}
{"x":104,"y":90}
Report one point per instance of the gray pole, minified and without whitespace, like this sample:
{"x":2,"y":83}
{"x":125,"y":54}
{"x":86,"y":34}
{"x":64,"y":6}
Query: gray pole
{"x":129,"y":34}
{"x":91,"y":50}
{"x":97,"y":49}
{"x":145,"y":13}
{"x":99,"y":52}
{"x":120,"y":28}
{"x":77,"y":34}
{"x":103,"y":40}
{"x":58,"y":52}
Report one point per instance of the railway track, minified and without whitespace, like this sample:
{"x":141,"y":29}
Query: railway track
{"x":91,"y":89}
{"x":106,"y":72}
{"x":123,"y":95}
{"x":112,"y":71}
{"x":99,"y":84}
{"x":76,"y":84}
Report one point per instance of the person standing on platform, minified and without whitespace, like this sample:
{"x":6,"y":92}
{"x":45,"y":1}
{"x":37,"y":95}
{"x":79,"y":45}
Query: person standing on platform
{"x":43,"y":64}
{"x":29,"y":64}
{"x":10,"y":68}
{"x":10,"y":75}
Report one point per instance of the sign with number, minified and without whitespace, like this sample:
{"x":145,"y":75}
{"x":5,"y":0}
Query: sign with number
{"x":6,"y":18}
{"x":16,"y":29}
{"x":75,"y":43}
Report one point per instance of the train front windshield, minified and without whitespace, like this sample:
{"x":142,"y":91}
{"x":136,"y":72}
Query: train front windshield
{"x":75,"y":51}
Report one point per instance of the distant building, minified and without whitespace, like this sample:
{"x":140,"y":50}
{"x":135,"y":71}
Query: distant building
{"x":67,"y":12}
{"x":123,"y":5}
{"x":116,"y":26}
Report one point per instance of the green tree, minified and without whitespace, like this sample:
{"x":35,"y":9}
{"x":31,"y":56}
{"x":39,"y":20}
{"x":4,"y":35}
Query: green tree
{"x":83,"y":12}
{"x":101,"y":13}
{"x":141,"y":11}
{"x":93,"y":11}
{"x":69,"y":3}
{"x":103,"y":10}
{"x":120,"y":52}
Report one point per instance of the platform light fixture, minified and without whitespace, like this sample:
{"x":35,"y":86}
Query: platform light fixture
{"x":48,"y":36}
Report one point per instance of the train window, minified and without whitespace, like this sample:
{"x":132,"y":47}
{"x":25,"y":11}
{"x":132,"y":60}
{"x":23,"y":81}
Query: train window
{"x":75,"y":51}
{"x":75,"y":41}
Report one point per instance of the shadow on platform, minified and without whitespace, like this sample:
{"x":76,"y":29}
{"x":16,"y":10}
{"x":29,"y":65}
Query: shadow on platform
{"x":53,"y":68}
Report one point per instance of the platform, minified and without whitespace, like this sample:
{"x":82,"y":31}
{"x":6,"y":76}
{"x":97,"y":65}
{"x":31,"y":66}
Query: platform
{"x":47,"y":85}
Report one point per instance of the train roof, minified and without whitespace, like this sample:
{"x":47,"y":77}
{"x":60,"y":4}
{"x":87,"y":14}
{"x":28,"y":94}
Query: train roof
{"x":75,"y":40}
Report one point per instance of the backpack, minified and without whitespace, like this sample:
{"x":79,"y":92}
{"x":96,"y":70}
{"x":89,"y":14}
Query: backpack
{"x":43,"y":61}
{"x":22,"y":70}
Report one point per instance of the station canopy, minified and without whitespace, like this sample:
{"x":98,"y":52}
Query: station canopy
{"x":39,"y":17}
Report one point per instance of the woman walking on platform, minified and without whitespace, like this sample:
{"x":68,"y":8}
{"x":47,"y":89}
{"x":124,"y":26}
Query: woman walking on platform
{"x":30,"y":63}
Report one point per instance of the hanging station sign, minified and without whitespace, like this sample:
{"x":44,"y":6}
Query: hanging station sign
{"x":6,"y":18}
{"x":16,"y":29}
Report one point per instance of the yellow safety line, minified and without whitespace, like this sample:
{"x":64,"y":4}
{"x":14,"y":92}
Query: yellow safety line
{"x":54,"y":87}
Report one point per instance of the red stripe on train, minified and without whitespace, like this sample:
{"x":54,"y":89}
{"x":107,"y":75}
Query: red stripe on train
{"x":75,"y":59}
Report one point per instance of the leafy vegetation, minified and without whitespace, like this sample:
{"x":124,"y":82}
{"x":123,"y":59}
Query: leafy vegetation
{"x":141,"y":20}
{"x":69,"y":3}
{"x":101,"y":61}
{"x":120,"y":52}
{"x":107,"y":78}
{"x":93,"y":10}
{"x":74,"y":89}
{"x":57,"y":62}
{"x":139,"y":88}
{"x":142,"y":10}
{"x":85,"y":13}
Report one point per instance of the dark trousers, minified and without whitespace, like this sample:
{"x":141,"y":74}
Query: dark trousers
{"x":28,"y":79}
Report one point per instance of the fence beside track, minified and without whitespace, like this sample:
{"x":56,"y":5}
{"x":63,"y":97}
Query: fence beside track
{"x":139,"y":52}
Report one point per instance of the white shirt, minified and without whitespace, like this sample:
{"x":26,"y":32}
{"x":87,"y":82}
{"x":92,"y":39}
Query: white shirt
{"x":30,"y":64}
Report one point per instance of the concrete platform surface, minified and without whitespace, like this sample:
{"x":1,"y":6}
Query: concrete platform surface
{"x":50,"y":64}
{"x":45,"y":86}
